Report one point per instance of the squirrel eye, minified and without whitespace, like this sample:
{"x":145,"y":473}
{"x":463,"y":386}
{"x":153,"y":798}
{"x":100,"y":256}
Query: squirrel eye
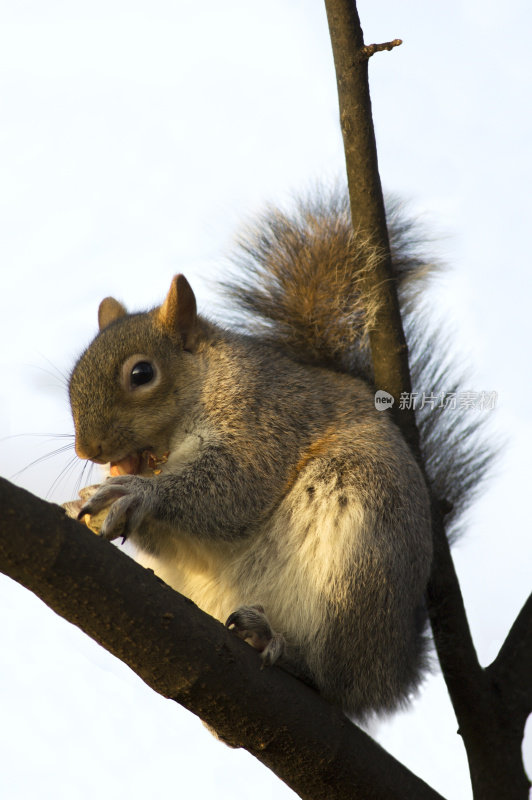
{"x":142,"y":373}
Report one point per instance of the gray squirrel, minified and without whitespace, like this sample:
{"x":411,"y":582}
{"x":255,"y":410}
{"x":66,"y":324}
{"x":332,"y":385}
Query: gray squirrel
{"x":251,"y":469}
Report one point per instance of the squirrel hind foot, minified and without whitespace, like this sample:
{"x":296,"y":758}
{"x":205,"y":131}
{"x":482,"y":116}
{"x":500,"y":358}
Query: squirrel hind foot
{"x":251,"y":624}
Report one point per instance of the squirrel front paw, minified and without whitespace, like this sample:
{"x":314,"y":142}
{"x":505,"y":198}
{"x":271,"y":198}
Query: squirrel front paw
{"x":251,"y":624}
{"x":73,"y":509}
{"x":131,"y":501}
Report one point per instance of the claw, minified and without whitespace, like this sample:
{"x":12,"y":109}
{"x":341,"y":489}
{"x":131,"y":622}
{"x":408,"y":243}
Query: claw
{"x":84,"y":510}
{"x":273,"y":650}
{"x":250,"y":623}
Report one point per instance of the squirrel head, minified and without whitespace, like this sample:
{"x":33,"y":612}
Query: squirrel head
{"x":136,"y":378}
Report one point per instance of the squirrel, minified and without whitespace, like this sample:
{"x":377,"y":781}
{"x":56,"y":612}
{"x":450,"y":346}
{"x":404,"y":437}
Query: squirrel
{"x":251,"y":469}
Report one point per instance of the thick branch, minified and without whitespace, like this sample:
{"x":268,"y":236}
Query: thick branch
{"x":189,"y":657}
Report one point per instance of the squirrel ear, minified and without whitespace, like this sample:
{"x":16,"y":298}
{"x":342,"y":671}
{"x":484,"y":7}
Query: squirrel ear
{"x":109,"y":310}
{"x":178,"y":312}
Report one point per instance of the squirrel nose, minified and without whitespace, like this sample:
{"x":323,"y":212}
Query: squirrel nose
{"x":91,"y":451}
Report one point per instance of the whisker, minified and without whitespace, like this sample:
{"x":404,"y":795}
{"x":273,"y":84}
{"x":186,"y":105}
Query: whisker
{"x":67,"y":469}
{"x":54,"y":372}
{"x":64,"y":449}
{"x":84,"y":475}
{"x":81,"y":478}
{"x":42,"y":435}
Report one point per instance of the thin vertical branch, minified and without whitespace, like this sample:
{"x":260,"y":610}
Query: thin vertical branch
{"x":388,"y":344}
{"x":494,"y":754}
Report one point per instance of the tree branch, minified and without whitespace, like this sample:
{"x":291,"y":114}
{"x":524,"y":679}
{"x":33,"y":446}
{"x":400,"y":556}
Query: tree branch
{"x":495,"y":765}
{"x":187,"y":656}
{"x":388,"y":344}
{"x":371,"y":49}
{"x":511,"y":672}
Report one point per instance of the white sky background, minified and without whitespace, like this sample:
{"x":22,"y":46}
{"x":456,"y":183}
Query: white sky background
{"x":134,"y":136}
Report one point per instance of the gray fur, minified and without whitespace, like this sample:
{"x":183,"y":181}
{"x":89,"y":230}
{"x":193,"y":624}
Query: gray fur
{"x":287,"y":501}
{"x":285,"y":251}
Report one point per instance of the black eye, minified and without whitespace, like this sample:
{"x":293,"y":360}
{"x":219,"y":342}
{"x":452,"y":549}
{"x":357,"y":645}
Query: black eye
{"x":142,"y":373}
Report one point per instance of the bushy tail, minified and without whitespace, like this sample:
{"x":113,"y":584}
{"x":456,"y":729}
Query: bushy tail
{"x":298,"y":284}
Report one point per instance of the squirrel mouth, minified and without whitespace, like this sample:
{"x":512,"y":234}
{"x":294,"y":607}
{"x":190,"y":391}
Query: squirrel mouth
{"x":139,"y":462}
